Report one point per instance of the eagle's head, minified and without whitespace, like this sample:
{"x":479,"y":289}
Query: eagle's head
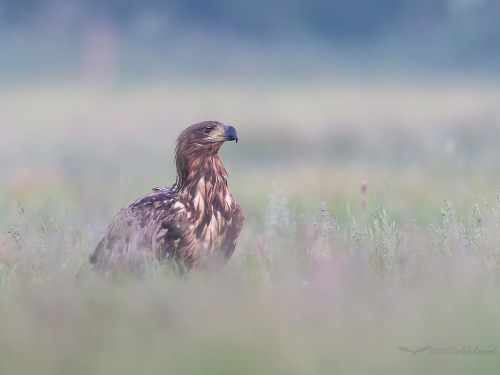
{"x":197,"y":147}
{"x":206,"y":135}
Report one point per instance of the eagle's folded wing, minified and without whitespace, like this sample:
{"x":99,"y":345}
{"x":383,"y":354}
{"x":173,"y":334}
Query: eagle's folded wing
{"x":154,"y":225}
{"x":233,"y":232}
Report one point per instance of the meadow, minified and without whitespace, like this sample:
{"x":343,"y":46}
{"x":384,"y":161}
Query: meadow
{"x":320,"y":282}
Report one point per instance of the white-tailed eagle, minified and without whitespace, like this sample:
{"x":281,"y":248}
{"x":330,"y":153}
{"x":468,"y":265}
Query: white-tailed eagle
{"x":195,"y":222}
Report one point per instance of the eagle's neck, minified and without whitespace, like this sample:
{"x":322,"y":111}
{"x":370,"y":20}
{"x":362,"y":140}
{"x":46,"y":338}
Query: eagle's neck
{"x":194,"y":167}
{"x":202,"y":182}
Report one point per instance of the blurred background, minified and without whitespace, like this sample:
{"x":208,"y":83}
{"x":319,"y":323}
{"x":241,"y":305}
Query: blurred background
{"x":122,"y":42}
{"x":325,"y":94}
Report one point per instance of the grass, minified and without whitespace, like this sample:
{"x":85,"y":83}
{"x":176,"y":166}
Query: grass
{"x":339,"y":298}
{"x":317,"y":285}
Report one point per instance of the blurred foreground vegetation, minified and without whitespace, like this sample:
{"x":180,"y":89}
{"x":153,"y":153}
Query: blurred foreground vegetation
{"x":317,"y":283}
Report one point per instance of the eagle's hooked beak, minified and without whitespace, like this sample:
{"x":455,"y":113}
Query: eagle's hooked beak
{"x":230,"y":134}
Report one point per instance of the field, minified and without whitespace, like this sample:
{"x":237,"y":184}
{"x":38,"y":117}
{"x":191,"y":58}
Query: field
{"x":319,"y":283}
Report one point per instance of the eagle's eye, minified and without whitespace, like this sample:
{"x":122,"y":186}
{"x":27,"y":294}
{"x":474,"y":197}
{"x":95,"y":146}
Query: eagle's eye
{"x":207,"y":130}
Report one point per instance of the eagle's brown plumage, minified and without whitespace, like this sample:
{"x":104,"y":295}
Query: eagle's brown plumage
{"x":195,"y":221}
